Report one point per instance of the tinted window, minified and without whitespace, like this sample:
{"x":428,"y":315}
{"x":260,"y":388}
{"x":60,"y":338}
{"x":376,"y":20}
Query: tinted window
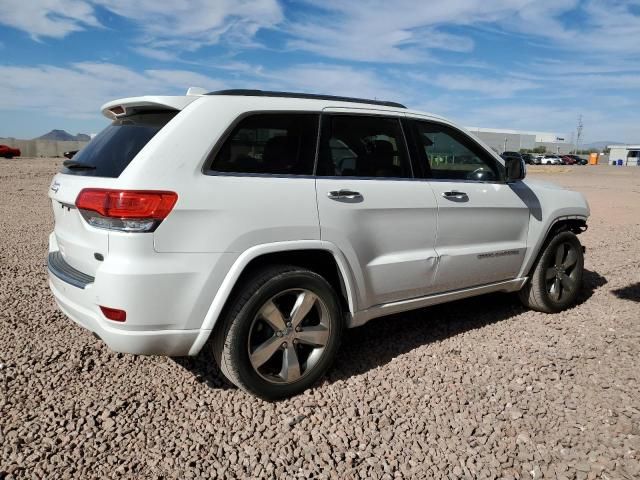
{"x":275,"y":143}
{"x":363,"y":146}
{"x":450,"y":154}
{"x":109,"y":153}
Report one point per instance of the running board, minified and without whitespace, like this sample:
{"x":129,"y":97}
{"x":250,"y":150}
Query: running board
{"x":363,"y":316}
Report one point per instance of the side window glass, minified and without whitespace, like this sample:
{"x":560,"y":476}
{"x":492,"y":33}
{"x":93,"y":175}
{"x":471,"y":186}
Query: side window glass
{"x":450,"y":154}
{"x":276,"y":143}
{"x":363,"y":146}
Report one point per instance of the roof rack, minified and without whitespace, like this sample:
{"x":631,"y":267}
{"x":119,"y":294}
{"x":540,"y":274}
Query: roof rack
{"x":312,"y":96}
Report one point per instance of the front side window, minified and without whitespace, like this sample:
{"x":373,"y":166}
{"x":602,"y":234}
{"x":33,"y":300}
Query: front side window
{"x":449,"y":154}
{"x":270,"y":143}
{"x":363,"y":146}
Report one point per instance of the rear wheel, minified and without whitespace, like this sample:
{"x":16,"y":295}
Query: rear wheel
{"x":557,"y":276}
{"x":280,"y":333}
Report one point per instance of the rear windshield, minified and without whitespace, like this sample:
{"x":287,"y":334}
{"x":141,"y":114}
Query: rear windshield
{"x":109,"y":153}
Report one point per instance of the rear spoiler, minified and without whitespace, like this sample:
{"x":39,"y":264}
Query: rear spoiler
{"x":128,"y":106}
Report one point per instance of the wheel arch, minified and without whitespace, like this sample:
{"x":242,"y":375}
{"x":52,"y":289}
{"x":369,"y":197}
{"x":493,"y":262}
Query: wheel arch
{"x":319,"y":256}
{"x":575,"y":224}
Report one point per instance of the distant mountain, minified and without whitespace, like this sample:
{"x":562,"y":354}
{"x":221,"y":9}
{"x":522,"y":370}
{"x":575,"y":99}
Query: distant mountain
{"x":600,"y":145}
{"x":62,"y":135}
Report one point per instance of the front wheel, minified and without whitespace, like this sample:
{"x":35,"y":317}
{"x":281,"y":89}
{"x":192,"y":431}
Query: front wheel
{"x":280,"y":333}
{"x":556,"y":278}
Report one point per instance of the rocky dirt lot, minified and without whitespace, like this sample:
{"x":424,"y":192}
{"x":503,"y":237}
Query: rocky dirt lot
{"x":475,"y":389}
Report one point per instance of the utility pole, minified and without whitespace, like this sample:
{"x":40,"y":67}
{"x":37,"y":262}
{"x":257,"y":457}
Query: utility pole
{"x":505,"y":145}
{"x":578,"y":133}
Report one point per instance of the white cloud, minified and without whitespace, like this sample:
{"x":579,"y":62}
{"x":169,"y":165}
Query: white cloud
{"x":402,"y":31}
{"x":399,"y":31}
{"x":405,"y":32}
{"x":315,"y":78}
{"x":333,"y":79}
{"x":613,"y":26}
{"x":503,"y":87}
{"x":591,"y":47}
{"x":189,"y":25}
{"x":154,"y":53}
{"x":598,"y":64}
{"x":80,"y":89}
{"x":48,"y":18}
{"x":602,"y":121}
{"x":165,"y":28}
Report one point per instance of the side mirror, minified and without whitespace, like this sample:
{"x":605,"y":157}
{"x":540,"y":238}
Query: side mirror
{"x":516,"y":169}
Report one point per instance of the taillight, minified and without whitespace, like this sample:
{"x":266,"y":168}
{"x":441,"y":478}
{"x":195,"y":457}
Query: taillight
{"x":125,"y":210}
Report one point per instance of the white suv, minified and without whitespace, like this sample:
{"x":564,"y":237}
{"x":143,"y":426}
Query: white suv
{"x":551,"y":159}
{"x":257,"y":225}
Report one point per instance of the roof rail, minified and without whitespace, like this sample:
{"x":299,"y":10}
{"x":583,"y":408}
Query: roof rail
{"x":312,"y":96}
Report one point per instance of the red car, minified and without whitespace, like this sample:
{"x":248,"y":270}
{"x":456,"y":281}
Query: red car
{"x":567,"y":160}
{"x":9,"y":152}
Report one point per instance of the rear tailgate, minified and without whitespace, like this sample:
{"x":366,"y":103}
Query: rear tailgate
{"x":98,"y":165}
{"x":76,"y":240}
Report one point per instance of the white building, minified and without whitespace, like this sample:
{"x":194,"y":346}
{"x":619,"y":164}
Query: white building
{"x":503,"y":140}
{"x":629,"y":154}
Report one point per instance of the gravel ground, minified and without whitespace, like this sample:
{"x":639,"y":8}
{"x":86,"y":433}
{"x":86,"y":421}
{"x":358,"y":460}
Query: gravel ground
{"x":475,"y":389}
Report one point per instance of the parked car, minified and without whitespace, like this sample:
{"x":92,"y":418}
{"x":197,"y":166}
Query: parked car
{"x":9,"y":152}
{"x":550,"y":159}
{"x":70,"y":153}
{"x":579,"y":160}
{"x":289,"y":218}
{"x":567,"y":160}
{"x":529,"y":159}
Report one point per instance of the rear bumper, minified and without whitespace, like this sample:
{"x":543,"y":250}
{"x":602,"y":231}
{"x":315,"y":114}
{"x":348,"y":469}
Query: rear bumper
{"x":75,"y":304}
{"x":166,"y":295}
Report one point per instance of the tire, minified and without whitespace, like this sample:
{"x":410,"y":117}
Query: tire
{"x":556,"y":277}
{"x":260,"y":334}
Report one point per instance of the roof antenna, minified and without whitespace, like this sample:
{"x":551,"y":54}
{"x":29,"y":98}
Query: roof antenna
{"x":195,"y":91}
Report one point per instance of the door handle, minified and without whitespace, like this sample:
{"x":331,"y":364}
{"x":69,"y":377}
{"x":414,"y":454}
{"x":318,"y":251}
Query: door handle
{"x":343,"y":194}
{"x":454,"y":194}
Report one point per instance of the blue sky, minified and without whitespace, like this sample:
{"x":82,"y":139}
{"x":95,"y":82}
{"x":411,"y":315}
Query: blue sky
{"x":521,"y":64}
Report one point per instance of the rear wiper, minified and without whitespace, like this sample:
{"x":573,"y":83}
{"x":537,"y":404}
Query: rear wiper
{"x":71,"y":164}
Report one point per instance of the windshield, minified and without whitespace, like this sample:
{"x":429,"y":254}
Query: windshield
{"x":109,"y":153}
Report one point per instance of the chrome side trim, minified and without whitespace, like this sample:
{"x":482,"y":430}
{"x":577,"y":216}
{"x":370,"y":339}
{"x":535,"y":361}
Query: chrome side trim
{"x":65,"y":272}
{"x":363,"y":316}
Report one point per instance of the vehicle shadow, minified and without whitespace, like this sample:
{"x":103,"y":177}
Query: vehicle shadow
{"x":379,"y":341}
{"x":204,"y":369}
{"x":630,"y":292}
{"x":591,"y":281}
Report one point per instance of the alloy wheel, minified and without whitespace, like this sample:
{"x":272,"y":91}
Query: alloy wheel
{"x":288,"y":336}
{"x":561,"y":277}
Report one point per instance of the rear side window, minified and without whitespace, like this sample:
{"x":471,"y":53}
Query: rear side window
{"x":270,"y":143}
{"x":109,"y":153}
{"x":363,"y":146}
